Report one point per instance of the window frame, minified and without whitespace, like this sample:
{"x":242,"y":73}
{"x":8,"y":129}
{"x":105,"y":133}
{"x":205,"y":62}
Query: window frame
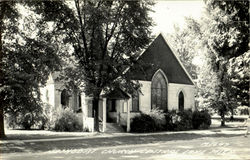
{"x":136,"y":98}
{"x":181,"y":101}
{"x":159,"y":85}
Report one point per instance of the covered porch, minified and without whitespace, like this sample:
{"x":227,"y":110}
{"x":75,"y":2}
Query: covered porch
{"x":113,"y":108}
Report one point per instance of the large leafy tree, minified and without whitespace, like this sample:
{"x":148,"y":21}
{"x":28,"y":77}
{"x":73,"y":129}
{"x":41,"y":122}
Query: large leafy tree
{"x":186,"y":42}
{"x":26,"y":58}
{"x":106,"y":38}
{"x":189,"y":44}
{"x":221,"y":41}
{"x":227,"y":38}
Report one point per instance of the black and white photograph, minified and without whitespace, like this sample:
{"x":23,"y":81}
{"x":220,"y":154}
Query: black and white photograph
{"x":124,"y":80}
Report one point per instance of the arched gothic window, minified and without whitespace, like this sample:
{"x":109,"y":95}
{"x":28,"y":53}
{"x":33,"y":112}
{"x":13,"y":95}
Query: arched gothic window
{"x":181,"y":101}
{"x":65,"y":98}
{"x":159,"y":91}
{"x":135,"y":102}
{"x":79,"y":109}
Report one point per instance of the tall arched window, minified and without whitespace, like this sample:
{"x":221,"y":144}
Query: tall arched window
{"x":135,"y":102}
{"x":159,"y":91}
{"x":181,"y":101}
{"x":65,"y":98}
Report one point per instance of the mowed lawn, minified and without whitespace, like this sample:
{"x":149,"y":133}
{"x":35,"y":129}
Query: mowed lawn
{"x":43,"y":134}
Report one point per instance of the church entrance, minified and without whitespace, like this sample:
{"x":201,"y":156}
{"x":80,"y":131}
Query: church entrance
{"x":111,"y":110}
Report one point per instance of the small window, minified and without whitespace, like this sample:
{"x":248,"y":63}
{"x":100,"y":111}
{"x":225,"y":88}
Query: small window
{"x":79,"y":104}
{"x":181,"y":101}
{"x":80,"y":101}
{"x":65,"y":98}
{"x":135,"y":102}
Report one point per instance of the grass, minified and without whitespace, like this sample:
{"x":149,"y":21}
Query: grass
{"x":235,"y":119}
{"x":29,"y":143}
{"x":42,"y":134}
{"x":70,"y":144}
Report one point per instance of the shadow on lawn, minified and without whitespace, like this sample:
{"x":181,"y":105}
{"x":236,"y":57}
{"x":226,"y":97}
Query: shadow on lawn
{"x":102,"y":141}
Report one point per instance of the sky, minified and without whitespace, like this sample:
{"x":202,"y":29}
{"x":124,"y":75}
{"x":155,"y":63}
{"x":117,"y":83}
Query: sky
{"x":170,"y":12}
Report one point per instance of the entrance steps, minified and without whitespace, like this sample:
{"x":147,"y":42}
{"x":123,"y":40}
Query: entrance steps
{"x":112,"y":128}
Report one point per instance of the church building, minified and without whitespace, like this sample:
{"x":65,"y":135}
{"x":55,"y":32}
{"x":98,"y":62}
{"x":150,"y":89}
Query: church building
{"x":165,"y":84}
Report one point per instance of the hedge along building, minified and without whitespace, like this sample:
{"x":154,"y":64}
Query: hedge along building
{"x":165,"y":84}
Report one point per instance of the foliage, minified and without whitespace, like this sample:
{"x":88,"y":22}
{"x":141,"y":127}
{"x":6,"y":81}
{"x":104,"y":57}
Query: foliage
{"x":185,"y":42}
{"x":65,"y":120}
{"x":201,"y":119}
{"x":243,"y":110}
{"x":171,"y":121}
{"x":106,"y":37}
{"x":229,"y":28}
{"x":158,"y":117}
{"x":186,"y":120}
{"x":47,"y":114}
{"x":32,"y":117}
{"x":183,"y":120}
{"x":220,"y":42}
{"x":226,"y":38}
{"x":143,"y":123}
{"x":239,"y":74}
{"x":25,"y":59}
{"x":151,"y":121}
{"x":170,"y":117}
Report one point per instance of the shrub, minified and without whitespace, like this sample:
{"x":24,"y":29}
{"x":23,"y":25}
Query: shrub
{"x":170,"y":118}
{"x":201,"y":119}
{"x":178,"y":121}
{"x":184,"y":120}
{"x":243,"y":110}
{"x":149,"y":122}
{"x":26,"y":119}
{"x":173,"y":120}
{"x":143,"y":123}
{"x":65,"y":120}
{"x":158,"y":117}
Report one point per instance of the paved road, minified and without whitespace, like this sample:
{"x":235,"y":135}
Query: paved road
{"x":237,"y":147}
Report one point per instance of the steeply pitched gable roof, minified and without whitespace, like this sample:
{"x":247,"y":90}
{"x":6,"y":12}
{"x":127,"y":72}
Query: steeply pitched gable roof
{"x":160,"y":56}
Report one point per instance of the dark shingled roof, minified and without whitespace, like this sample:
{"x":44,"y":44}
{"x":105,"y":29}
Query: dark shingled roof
{"x":159,"y":56}
{"x":117,"y":94}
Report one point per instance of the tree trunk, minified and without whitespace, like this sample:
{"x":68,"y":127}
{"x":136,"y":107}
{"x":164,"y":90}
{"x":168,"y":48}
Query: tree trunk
{"x":232,"y":115}
{"x":221,"y":67}
{"x":222,"y":120}
{"x":2,"y":133}
{"x":96,"y":113}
